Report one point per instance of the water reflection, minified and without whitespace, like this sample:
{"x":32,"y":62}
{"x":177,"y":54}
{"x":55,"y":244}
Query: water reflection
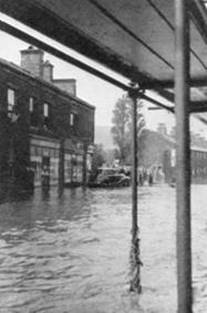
{"x":71,"y":254}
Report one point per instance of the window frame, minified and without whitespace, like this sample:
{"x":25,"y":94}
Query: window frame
{"x":46,"y":109}
{"x":31,"y":104}
{"x":72,"y":119}
{"x":11,"y":104}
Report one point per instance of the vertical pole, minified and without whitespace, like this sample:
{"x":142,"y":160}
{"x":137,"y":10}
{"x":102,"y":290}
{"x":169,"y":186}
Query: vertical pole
{"x":135,"y":282}
{"x":85,"y":149}
{"x":61,"y":174}
{"x":134,"y":167}
{"x":12,"y":157}
{"x":183,"y":236}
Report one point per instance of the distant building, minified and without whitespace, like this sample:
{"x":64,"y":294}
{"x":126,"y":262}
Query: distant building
{"x":162,"y":129}
{"x":158,"y":151}
{"x":46,"y":132}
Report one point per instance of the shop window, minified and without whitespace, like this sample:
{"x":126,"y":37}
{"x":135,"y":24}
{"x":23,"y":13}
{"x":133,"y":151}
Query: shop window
{"x":56,"y":153}
{"x":79,"y":146}
{"x":32,"y":150}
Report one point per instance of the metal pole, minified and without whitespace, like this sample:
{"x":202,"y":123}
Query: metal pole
{"x":61,"y":172}
{"x":134,"y":167}
{"x":84,"y":170}
{"x":135,"y":253}
{"x":182,"y":59}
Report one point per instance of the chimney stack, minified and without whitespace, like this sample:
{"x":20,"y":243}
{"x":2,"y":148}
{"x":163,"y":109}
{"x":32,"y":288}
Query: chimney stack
{"x":32,"y":61}
{"x":68,"y":85}
{"x":47,"y":71}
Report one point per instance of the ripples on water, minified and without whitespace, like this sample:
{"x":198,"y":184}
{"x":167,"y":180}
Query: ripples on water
{"x":73,"y":254}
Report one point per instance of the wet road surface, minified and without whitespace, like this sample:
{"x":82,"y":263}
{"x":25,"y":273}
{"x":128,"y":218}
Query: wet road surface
{"x":73,"y":254}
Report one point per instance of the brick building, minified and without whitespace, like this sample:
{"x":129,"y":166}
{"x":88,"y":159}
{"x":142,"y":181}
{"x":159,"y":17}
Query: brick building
{"x":44,"y":128}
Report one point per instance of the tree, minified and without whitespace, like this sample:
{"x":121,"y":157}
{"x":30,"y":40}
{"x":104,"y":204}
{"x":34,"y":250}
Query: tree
{"x":122,"y":127}
{"x":111,"y":155}
{"x":97,"y":160}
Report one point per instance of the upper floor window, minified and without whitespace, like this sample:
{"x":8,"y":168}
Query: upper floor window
{"x":46,"y":110}
{"x":10,"y":99}
{"x":72,"y":119}
{"x":33,"y":110}
{"x":31,"y":104}
{"x":47,"y":116}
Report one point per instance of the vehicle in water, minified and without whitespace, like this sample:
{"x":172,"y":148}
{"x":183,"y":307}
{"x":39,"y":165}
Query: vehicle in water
{"x":110,"y":177}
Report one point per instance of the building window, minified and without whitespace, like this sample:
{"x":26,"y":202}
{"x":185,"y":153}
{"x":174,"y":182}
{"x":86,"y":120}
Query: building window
{"x":72,"y":119}
{"x":33,"y":110}
{"x":46,"y":110}
{"x":10,"y":99}
{"x":47,"y":116}
{"x":31,"y":104}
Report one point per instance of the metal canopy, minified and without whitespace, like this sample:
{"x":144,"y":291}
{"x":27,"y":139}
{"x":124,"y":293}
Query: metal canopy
{"x":134,"y":38}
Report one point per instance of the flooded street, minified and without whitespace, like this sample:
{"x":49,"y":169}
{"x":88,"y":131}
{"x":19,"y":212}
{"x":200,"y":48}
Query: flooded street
{"x":73,"y":254}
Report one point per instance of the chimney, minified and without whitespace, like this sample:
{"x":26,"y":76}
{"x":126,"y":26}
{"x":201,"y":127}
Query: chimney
{"x":68,"y":85}
{"x":32,"y":61}
{"x":47,"y":71}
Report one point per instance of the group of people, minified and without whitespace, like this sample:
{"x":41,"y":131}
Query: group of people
{"x":150,"y":176}
{"x":145,"y":176}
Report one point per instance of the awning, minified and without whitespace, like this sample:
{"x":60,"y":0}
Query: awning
{"x":133,"y":38}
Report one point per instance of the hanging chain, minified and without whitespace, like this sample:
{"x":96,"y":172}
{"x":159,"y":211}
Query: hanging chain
{"x":136,"y":263}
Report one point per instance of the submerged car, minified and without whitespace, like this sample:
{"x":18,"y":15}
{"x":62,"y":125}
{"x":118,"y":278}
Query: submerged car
{"x":110,"y":177}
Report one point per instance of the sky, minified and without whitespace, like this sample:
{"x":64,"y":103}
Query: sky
{"x":89,"y":88}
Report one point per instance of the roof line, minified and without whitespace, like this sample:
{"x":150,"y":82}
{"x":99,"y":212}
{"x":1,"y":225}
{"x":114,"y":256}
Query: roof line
{"x":161,"y":14}
{"x":64,"y":56}
{"x":50,"y":49}
{"x":156,"y":84}
{"x":23,"y":10}
{"x":158,"y":103}
{"x":17,"y":69}
{"x":199,"y":17}
{"x":173,"y":29}
{"x":105,"y":12}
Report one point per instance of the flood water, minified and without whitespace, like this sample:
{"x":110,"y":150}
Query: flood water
{"x":73,"y":254}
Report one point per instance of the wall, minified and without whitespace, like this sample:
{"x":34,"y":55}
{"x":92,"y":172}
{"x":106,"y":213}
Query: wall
{"x":55,"y":127}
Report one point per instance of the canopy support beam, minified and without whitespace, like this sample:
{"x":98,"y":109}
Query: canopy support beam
{"x":183,"y":169}
{"x":67,"y":58}
{"x":168,"y":84}
{"x":134,"y":93}
{"x":198,"y":106}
